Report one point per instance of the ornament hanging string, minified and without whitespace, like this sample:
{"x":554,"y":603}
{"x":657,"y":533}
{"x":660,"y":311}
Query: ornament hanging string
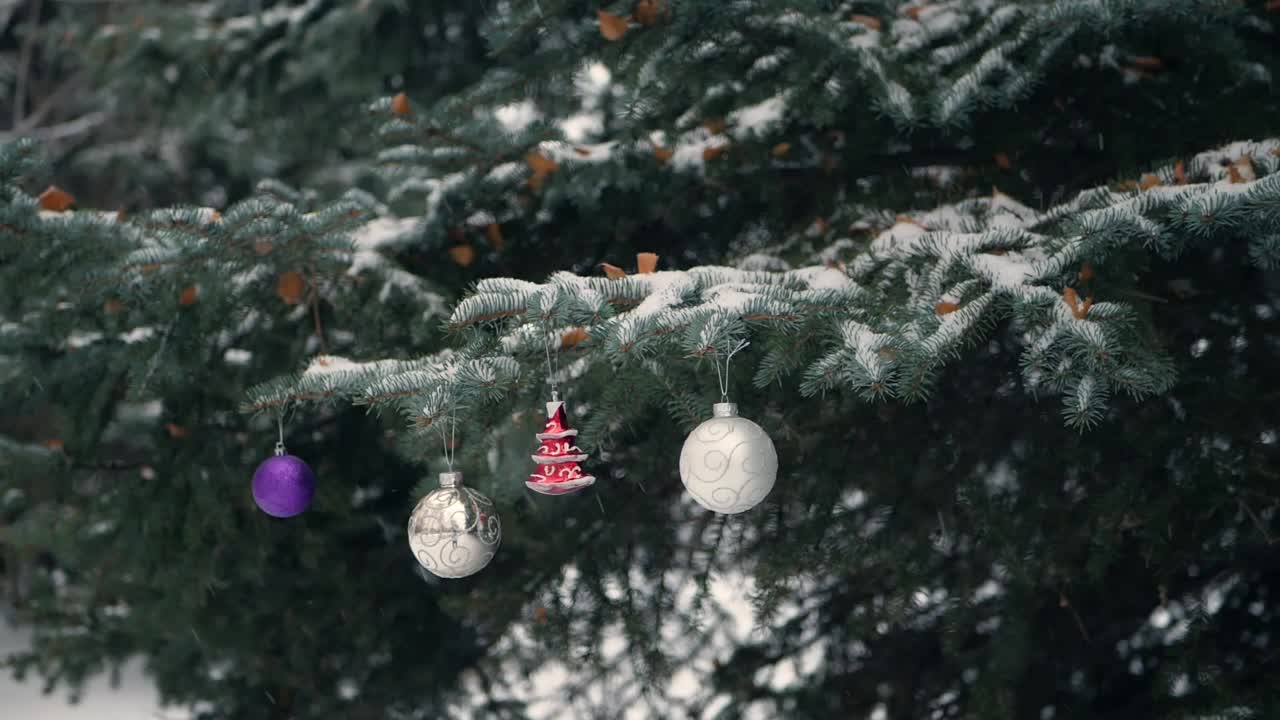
{"x":449,"y":431}
{"x":723,"y":377}
{"x":552,"y":367}
{"x":450,"y":438}
{"x":280,"y":427}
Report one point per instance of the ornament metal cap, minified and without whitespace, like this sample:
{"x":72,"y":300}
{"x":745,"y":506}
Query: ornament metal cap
{"x":450,"y":479}
{"x":724,"y":409}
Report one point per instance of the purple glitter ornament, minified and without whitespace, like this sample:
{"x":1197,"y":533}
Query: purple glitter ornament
{"x":283,"y":485}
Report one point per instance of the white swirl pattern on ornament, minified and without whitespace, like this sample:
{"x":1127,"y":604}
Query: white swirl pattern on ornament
{"x":728,"y":464}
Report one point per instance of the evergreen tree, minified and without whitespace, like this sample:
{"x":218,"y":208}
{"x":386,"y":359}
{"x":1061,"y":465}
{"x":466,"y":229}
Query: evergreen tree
{"x":155,"y":103}
{"x":1006,"y":271}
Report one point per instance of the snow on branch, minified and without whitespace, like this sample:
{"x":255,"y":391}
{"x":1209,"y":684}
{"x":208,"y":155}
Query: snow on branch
{"x":273,"y":257}
{"x":623,"y":313}
{"x":372,"y":243}
{"x":737,"y":104}
{"x":909,"y":303}
{"x":423,"y":389}
{"x":925,"y":288}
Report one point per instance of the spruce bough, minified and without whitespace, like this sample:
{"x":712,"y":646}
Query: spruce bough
{"x":1025,"y":432}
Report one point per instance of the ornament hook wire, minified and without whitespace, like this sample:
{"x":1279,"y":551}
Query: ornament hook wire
{"x":551,"y":368}
{"x":449,"y":437}
{"x":280,"y":426}
{"x":280,"y":418}
{"x":723,"y":377}
{"x":449,"y":431}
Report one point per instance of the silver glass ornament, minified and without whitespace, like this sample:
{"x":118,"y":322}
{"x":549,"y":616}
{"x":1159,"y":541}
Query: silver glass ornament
{"x":454,"y":530}
{"x":728,"y":464}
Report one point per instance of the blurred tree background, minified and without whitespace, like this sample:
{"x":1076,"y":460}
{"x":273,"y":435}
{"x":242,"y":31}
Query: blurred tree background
{"x":201,"y":197}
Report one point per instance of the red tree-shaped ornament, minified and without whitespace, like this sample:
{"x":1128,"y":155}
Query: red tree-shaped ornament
{"x":557,"y":458}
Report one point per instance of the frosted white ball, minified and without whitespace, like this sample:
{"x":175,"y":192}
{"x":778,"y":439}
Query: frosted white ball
{"x":454,"y":531}
{"x":728,"y":463}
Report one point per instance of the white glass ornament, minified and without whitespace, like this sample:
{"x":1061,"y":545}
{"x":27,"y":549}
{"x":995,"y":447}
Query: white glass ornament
{"x":728,"y":463}
{"x":454,"y":530}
